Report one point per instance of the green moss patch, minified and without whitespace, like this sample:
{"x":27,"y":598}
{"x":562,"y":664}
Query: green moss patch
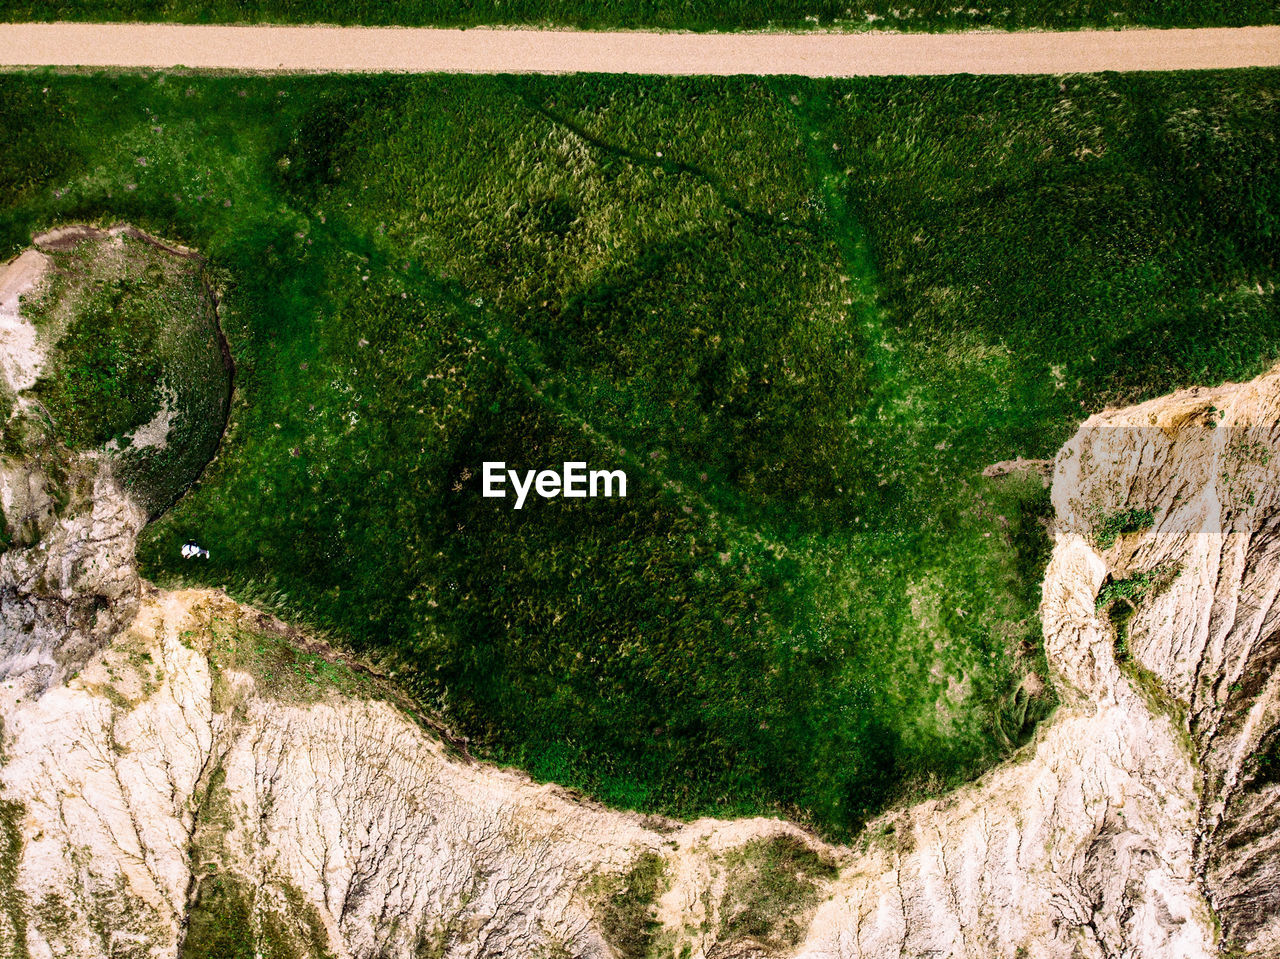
{"x":136,"y":365}
{"x":220,"y":924}
{"x":1130,"y":590}
{"x":770,"y":883}
{"x":626,"y":906}
{"x":1264,"y":766}
{"x":13,"y":901}
{"x":1112,"y":526}
{"x":1119,"y":601}
{"x":233,"y":917}
{"x":108,"y":370}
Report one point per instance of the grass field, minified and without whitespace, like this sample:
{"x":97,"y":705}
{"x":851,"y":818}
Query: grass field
{"x":670,"y":14}
{"x":803,"y":316}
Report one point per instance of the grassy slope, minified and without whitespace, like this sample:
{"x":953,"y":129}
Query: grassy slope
{"x":671,"y":14}
{"x":802,"y":315}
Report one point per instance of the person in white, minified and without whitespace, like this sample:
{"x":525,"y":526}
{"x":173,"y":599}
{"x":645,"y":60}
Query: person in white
{"x":190,"y":550}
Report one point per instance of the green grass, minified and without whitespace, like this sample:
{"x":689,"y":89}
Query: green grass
{"x":233,"y":918}
{"x":1264,"y":766}
{"x":1118,"y":601}
{"x":221,"y":921}
{"x":105,"y":384}
{"x":281,"y":667}
{"x":13,"y":901}
{"x":1130,"y":591}
{"x":669,"y":14}
{"x":1112,"y":526}
{"x":803,"y":316}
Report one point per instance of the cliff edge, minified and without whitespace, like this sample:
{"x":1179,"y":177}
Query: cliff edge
{"x":182,"y":775}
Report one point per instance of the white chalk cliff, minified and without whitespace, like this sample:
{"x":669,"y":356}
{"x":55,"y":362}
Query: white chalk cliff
{"x":181,"y":773}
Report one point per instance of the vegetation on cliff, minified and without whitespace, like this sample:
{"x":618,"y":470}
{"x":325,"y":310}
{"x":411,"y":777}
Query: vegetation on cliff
{"x":134,"y":364}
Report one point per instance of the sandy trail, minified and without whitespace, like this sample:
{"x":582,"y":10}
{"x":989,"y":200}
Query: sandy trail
{"x":414,"y":50}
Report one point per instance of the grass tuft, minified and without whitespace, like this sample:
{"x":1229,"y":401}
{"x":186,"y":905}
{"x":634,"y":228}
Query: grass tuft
{"x":1112,"y":526}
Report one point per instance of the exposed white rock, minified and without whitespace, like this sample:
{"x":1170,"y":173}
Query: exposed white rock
{"x":21,"y":357}
{"x":67,"y":594}
{"x":150,"y":767}
{"x":154,"y":434}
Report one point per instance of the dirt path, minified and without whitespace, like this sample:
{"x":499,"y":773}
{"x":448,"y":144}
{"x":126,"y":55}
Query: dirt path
{"x":380,"y":49}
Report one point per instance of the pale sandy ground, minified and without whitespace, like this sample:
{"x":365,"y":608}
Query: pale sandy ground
{"x":395,"y":49}
{"x":20,"y":358}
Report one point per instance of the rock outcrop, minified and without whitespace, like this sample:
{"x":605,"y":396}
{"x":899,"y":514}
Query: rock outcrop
{"x":184,"y":776}
{"x":1204,"y":466}
{"x":67,"y":578}
{"x":63,"y":597}
{"x":1142,"y":820}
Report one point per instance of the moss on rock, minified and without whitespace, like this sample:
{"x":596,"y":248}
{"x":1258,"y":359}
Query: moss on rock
{"x":136,"y":364}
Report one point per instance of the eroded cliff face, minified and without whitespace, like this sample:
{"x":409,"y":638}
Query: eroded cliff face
{"x":201,"y":778}
{"x":1202,"y":468}
{"x":211,"y":782}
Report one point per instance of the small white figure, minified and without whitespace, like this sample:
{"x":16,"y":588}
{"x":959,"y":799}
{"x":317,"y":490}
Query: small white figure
{"x":190,"y":550}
